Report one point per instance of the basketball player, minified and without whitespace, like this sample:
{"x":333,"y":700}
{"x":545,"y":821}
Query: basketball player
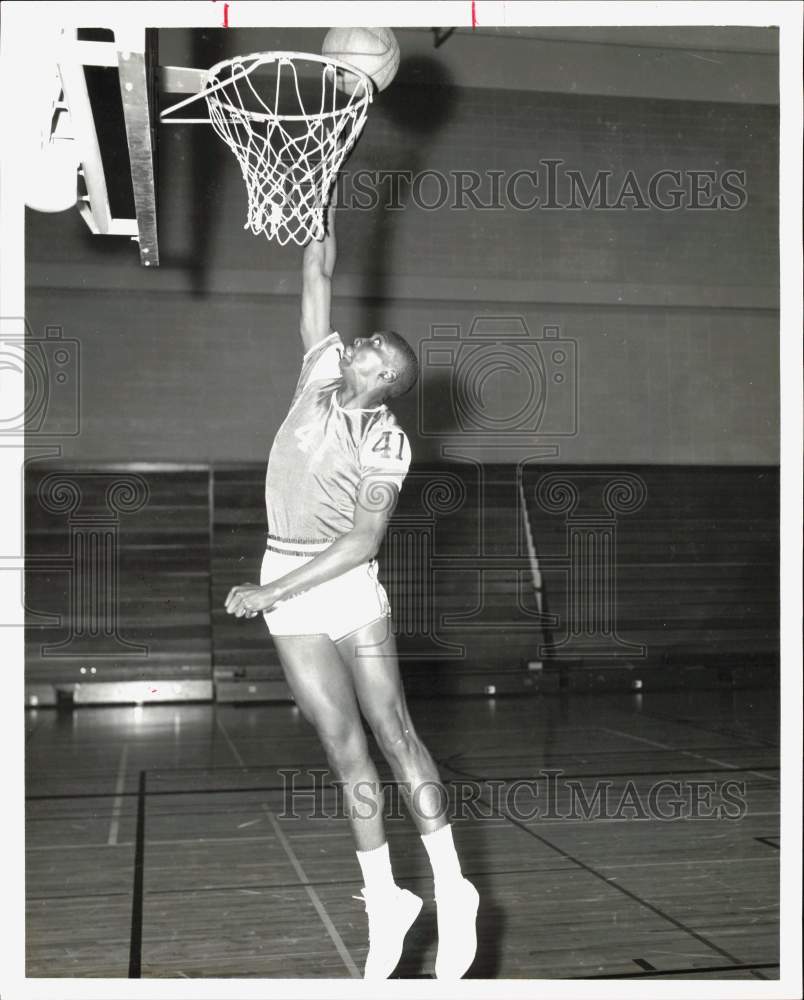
{"x":334,"y":474}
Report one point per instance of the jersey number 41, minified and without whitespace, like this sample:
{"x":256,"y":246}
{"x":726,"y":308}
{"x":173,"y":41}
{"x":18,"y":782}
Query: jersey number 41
{"x":385,"y":447}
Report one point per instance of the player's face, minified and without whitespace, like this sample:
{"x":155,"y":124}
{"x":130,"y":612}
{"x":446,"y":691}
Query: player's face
{"x":367,"y":356}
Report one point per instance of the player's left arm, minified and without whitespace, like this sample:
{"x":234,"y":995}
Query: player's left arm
{"x":376,"y":501}
{"x":318,"y":266}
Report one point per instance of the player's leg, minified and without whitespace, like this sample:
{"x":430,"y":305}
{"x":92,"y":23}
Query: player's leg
{"x":322,"y":687}
{"x":370,"y":654}
{"x":372,"y":658}
{"x":323,"y":691}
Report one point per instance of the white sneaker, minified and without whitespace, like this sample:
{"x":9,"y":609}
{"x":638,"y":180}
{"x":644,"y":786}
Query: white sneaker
{"x":457,"y":935}
{"x":390,"y":916}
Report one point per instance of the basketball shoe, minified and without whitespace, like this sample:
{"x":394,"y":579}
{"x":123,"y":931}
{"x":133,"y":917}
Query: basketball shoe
{"x":456,"y":904}
{"x":390,"y":916}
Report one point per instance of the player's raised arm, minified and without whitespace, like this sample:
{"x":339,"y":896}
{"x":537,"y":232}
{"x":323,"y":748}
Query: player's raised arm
{"x":317,"y":267}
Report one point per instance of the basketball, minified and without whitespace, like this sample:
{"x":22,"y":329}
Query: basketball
{"x":374,"y":51}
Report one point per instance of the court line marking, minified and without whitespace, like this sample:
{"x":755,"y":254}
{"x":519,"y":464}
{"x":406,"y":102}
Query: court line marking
{"x":315,"y":899}
{"x":528,"y":751}
{"x":224,"y":840}
{"x":117,"y":804}
{"x":693,"y":972}
{"x":755,"y":859}
{"x":609,"y":881}
{"x":137,"y":891}
{"x":251,"y":789}
{"x":630,"y":775}
{"x":768,"y":841}
{"x":224,"y":810}
{"x":732,"y":733}
{"x":232,"y":747}
{"x":691,"y":753}
{"x":257,"y":888}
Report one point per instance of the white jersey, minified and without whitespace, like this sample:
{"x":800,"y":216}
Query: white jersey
{"x":322,"y":454}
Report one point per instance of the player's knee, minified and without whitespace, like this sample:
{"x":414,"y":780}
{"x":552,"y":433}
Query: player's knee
{"x":344,"y":745}
{"x":393,"y":736}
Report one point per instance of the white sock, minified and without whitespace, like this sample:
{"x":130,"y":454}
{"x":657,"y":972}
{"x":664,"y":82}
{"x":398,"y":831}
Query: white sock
{"x":443,"y":857}
{"x":376,"y":868}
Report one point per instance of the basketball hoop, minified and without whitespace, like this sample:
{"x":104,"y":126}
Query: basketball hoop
{"x":290,"y":138}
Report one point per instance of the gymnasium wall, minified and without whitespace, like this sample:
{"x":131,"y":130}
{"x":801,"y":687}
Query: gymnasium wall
{"x":175,"y":378}
{"x":669,"y":317}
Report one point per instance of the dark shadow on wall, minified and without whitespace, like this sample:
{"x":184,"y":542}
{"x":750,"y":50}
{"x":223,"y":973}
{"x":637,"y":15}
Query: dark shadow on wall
{"x":436,"y":419}
{"x":418,"y":103}
{"x":190,"y":180}
{"x":205,"y":176}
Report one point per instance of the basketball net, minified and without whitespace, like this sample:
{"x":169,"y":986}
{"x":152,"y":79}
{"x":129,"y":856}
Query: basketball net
{"x":289,"y":162}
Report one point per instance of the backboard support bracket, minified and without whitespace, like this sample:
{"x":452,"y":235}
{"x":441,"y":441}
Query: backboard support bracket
{"x":136,"y":111}
{"x":130,"y":53}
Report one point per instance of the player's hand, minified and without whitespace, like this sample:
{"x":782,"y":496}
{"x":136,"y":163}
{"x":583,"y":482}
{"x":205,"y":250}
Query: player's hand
{"x":329,"y":225}
{"x":249,"y":600}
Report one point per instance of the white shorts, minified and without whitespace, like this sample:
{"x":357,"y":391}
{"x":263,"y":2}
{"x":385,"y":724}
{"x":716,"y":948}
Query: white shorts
{"x":334,"y":608}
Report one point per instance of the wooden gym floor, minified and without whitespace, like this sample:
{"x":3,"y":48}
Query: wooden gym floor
{"x":157,"y":844}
